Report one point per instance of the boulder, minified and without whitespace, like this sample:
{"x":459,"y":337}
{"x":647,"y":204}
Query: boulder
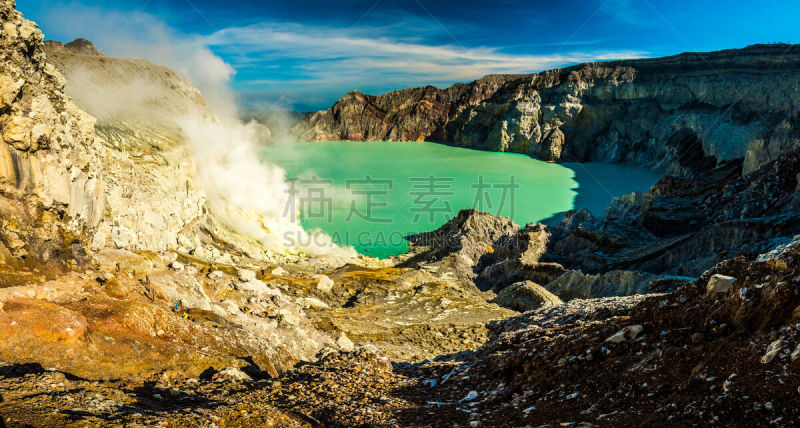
{"x":324,"y":284}
{"x":772,"y":350}
{"x":526,"y":296}
{"x":719,"y":284}
{"x":245,"y":275}
{"x":345,"y":343}
{"x":232,"y":373}
{"x":627,"y":333}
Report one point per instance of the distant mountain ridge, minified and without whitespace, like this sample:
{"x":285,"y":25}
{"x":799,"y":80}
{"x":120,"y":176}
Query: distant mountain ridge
{"x":677,"y":114}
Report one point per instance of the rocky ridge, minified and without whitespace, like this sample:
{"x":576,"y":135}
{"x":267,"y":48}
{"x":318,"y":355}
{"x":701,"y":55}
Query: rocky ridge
{"x":678,"y":114}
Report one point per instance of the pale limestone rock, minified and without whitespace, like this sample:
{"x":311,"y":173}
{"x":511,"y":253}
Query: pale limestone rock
{"x":219,"y":310}
{"x":10,"y":29}
{"x":17,"y":131}
{"x":9,"y":89}
{"x":345,"y":344}
{"x":245,"y":275}
{"x":231,"y":307}
{"x":255,"y":286}
{"x":123,"y":237}
{"x":312,"y":303}
{"x":324,"y":284}
{"x":627,"y":333}
{"x":288,"y":319}
{"x":28,"y":30}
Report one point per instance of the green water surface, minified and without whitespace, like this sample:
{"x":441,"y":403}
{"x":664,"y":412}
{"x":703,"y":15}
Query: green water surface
{"x":371,"y":195}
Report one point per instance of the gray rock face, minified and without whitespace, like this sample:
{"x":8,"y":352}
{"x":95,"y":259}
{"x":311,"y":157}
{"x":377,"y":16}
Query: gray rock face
{"x":462,"y":241}
{"x":575,"y":284}
{"x":681,"y":114}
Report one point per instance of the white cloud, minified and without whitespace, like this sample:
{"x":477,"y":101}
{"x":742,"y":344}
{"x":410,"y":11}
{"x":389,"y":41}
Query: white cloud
{"x":290,"y":63}
{"x":327,"y":58}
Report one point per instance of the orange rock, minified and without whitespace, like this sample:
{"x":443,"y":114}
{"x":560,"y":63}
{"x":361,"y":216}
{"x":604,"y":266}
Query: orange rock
{"x":45,"y":320}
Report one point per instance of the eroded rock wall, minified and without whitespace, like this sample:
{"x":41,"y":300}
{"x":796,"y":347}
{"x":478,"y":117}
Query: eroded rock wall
{"x":150,"y":188}
{"x":51,"y":183}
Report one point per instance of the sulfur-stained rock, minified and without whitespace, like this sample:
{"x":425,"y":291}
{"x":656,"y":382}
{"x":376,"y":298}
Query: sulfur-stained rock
{"x":46,"y":321}
{"x":344,"y":342}
{"x":324,"y":284}
{"x":9,"y":89}
{"x":17,"y":131}
{"x":245,"y":275}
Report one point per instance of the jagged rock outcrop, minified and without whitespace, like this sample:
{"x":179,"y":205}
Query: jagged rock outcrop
{"x":684,"y":226}
{"x":496,"y":254}
{"x":651,"y":241}
{"x":51,"y":185}
{"x":680,"y":114}
{"x":141,"y":209}
{"x":461,"y":242}
{"x":405,"y":115}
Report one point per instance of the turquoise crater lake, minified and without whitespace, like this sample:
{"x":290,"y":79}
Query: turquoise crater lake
{"x":371,"y":195}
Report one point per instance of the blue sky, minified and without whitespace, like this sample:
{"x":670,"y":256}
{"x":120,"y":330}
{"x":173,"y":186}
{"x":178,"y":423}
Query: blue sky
{"x":306,"y":54}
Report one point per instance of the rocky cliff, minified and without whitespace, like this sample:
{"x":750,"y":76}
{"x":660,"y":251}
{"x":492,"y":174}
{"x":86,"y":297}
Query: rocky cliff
{"x":111,"y":262}
{"x":676,"y":114}
{"x":51,"y":187}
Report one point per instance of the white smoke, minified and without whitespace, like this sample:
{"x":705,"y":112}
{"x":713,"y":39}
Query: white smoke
{"x":246,"y":193}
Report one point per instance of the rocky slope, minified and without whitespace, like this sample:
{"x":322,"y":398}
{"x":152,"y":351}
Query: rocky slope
{"x":677,"y":114}
{"x":96,"y":213}
{"x":113,"y":265}
{"x":126,"y":300}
